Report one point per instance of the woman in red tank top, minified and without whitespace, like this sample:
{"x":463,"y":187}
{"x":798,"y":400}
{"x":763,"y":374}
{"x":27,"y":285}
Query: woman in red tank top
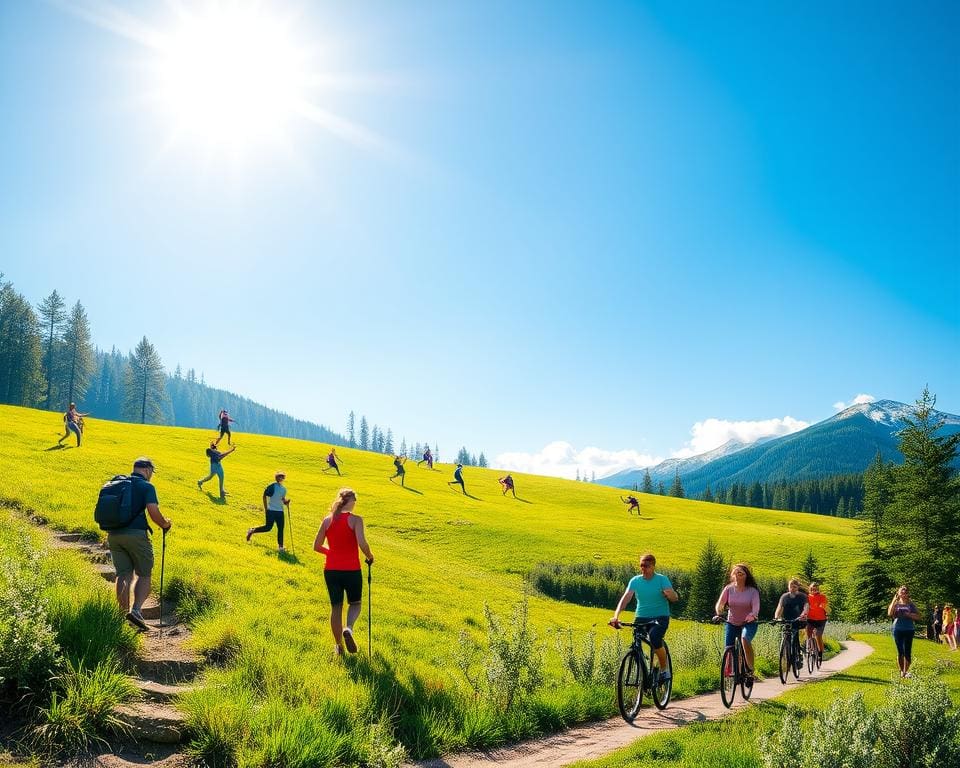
{"x":343,"y":532}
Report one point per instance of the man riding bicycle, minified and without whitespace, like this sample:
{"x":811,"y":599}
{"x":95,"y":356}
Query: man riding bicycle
{"x":653,"y":591}
{"x":793,"y":606}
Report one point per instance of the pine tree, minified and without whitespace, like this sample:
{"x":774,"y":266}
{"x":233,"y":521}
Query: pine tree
{"x":388,"y":443}
{"x":482,"y":460}
{"x":676,"y":490}
{"x":810,"y":568}
{"x":403,"y":448}
{"x":707,"y":495}
{"x":755,"y":495}
{"x":144,"y":388}
{"x":351,"y":435}
{"x":707,"y":581}
{"x":20,"y":351}
{"x":78,"y":354}
{"x":647,"y":481}
{"x":53,"y":313}
{"x":660,"y":489}
{"x":364,"y":434}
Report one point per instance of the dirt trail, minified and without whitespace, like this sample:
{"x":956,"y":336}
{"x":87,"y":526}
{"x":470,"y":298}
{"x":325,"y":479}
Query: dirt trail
{"x":588,"y":742}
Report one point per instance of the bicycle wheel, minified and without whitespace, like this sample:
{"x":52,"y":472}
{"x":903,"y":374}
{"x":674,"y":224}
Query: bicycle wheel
{"x":630,"y":685}
{"x":746,"y":679}
{"x":797,"y":657}
{"x":811,"y":653}
{"x":784,"y":659}
{"x":728,"y":677}
{"x":662,"y":686}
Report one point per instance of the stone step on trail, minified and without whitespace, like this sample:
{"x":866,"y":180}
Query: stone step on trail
{"x":106,"y":571}
{"x":151,"y":690}
{"x":152,"y":721}
{"x":169,"y":671}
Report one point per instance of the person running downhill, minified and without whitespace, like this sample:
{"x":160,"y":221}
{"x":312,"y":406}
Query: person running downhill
{"x":507,"y":483}
{"x":274,"y":500}
{"x":458,"y":478}
{"x":742,"y":597}
{"x":216,"y":468}
{"x":398,"y":462}
{"x":131,"y":548}
{"x":817,"y":615}
{"x":654,"y":594}
{"x":72,"y":421}
{"x":225,"y":422}
{"x":633,"y":502}
{"x":344,"y":533}
{"x":427,"y":457}
{"x":792,"y":606}
{"x":332,"y":462}
{"x":904,"y":613}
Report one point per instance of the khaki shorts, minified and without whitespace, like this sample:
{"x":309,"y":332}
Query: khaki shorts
{"x":131,"y":552}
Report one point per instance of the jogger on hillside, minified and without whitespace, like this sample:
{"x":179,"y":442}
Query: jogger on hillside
{"x":72,"y":421}
{"x":344,"y":533}
{"x":427,"y":457}
{"x":507,"y":483}
{"x":633,"y":502}
{"x":398,"y":462}
{"x":225,"y":422}
{"x":458,"y":478}
{"x":332,"y":462}
{"x":274,"y":501}
{"x":131,"y":548}
{"x":216,"y":468}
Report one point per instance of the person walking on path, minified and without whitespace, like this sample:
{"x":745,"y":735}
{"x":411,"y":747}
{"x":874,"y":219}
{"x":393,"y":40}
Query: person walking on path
{"x":507,"y":483}
{"x":904,"y":613}
{"x":225,"y":422}
{"x":332,"y":462}
{"x":458,"y":478}
{"x":742,"y":599}
{"x":654,"y":593}
{"x":427,"y":457}
{"x":633,"y":502}
{"x":275,"y":500}
{"x":72,"y":421}
{"x":216,"y":468}
{"x":817,"y":615}
{"x":344,"y":533}
{"x":131,"y":548}
{"x":398,"y":462}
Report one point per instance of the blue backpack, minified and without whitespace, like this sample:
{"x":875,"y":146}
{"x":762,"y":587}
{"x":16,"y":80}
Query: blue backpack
{"x":114,"y":508}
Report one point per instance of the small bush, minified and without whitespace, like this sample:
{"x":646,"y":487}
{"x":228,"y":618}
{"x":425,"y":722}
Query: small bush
{"x":585,"y":662}
{"x":918,"y":728}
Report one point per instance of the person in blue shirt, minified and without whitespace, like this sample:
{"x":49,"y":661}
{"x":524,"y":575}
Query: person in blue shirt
{"x":458,"y":478}
{"x":654,"y":593}
{"x":904,"y":613}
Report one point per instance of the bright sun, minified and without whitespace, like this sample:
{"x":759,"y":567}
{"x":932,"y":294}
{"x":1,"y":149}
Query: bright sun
{"x":231,"y":76}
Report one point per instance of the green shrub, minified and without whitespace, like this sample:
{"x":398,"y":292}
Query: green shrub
{"x":919,"y":728}
{"x":585,"y":662}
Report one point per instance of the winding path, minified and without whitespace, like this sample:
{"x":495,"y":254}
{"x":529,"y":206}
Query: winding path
{"x":593,"y":740}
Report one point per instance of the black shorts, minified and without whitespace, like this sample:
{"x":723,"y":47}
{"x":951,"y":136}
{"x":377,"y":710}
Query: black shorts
{"x":339,"y":582}
{"x":224,"y":430}
{"x":816,"y":623}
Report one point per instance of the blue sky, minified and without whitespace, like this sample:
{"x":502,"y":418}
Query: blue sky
{"x":574,"y":236}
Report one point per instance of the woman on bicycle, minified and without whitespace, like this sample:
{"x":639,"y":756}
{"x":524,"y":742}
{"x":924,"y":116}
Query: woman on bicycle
{"x":653,"y":591}
{"x":344,"y":534}
{"x":817,"y":615}
{"x":904,"y":613}
{"x":742,"y":597}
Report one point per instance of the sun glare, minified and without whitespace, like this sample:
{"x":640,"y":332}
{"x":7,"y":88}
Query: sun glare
{"x":232,"y":77}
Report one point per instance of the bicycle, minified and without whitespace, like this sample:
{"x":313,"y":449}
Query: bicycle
{"x":734,"y":670}
{"x":640,"y":672}
{"x":791,"y":653}
{"x":813,"y":651}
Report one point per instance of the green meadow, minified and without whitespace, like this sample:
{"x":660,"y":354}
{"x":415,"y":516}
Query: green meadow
{"x":274,"y":693}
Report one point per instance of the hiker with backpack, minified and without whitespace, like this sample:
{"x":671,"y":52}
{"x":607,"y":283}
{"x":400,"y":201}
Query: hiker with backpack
{"x":121,"y":511}
{"x":216,"y":468}
{"x":274,"y":501}
{"x":225,"y":422}
{"x":72,"y":422}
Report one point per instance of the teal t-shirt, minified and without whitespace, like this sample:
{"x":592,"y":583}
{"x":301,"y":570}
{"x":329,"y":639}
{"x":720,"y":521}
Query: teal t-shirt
{"x":649,"y":593}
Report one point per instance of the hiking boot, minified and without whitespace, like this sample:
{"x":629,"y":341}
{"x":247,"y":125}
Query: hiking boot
{"x":348,"y":640}
{"x":199,"y":485}
{"x":135,"y":618}
{"x":249,"y":534}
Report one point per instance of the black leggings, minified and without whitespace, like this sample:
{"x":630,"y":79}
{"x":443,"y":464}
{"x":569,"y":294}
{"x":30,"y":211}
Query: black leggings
{"x":904,"y":640}
{"x":272,"y":517}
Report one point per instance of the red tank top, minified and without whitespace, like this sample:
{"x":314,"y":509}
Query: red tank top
{"x":342,"y":543}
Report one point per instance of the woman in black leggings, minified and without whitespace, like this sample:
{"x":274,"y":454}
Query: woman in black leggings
{"x":904,"y":613}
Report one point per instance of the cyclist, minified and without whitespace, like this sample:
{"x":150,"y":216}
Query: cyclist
{"x":742,"y":597}
{"x":817,"y":615}
{"x":793,"y":606}
{"x":653,"y":591}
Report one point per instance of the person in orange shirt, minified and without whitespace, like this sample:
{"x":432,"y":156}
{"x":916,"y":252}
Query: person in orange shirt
{"x":817,"y":617}
{"x":344,"y":534}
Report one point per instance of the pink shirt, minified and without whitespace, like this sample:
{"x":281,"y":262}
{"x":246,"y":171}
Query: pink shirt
{"x":741,"y":604}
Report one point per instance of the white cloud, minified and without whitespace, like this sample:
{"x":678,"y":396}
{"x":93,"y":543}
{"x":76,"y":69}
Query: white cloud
{"x":858,"y":400}
{"x":560,"y":459}
{"x":712,"y":433}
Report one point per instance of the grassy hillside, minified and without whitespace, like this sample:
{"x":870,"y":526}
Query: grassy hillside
{"x":440,"y":557}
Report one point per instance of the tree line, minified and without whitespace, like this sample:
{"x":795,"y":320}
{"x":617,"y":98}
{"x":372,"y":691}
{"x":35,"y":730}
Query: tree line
{"x":379,"y":440}
{"x":48,"y":360}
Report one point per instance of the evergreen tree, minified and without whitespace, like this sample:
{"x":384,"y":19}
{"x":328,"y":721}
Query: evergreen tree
{"x":375,"y":439}
{"x":78,"y":354}
{"x":707,"y":581}
{"x":707,"y":495}
{"x":351,"y":435}
{"x":436,"y":453}
{"x":482,"y":460}
{"x":647,"y":481}
{"x":755,"y":495}
{"x":810,"y":568}
{"x":20,"y":349}
{"x":364,"y":434}
{"x":873,"y":586}
{"x":403,"y":448}
{"x":388,"y":443}
{"x":144,"y":390}
{"x":660,"y":489}
{"x":676,"y":489}
{"x":53,"y":313}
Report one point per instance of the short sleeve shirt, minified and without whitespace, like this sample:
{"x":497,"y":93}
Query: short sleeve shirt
{"x":900,"y":618}
{"x":275,"y":502}
{"x":143,"y":493}
{"x":793,"y":605}
{"x":651,"y":602}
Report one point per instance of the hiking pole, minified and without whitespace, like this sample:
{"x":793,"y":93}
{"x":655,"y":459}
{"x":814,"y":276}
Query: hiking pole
{"x":290,"y":519}
{"x":163,"y":559}
{"x":369,"y":604}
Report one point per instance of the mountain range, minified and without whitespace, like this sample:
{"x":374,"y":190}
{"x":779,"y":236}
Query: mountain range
{"x":846,"y":442}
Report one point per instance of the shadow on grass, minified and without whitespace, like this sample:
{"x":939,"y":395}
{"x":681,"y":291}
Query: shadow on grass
{"x":58,"y":447}
{"x":524,"y":501}
{"x":412,"y":490}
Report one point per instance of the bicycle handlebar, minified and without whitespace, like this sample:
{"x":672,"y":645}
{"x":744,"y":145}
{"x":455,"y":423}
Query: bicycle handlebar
{"x":633,"y":623}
